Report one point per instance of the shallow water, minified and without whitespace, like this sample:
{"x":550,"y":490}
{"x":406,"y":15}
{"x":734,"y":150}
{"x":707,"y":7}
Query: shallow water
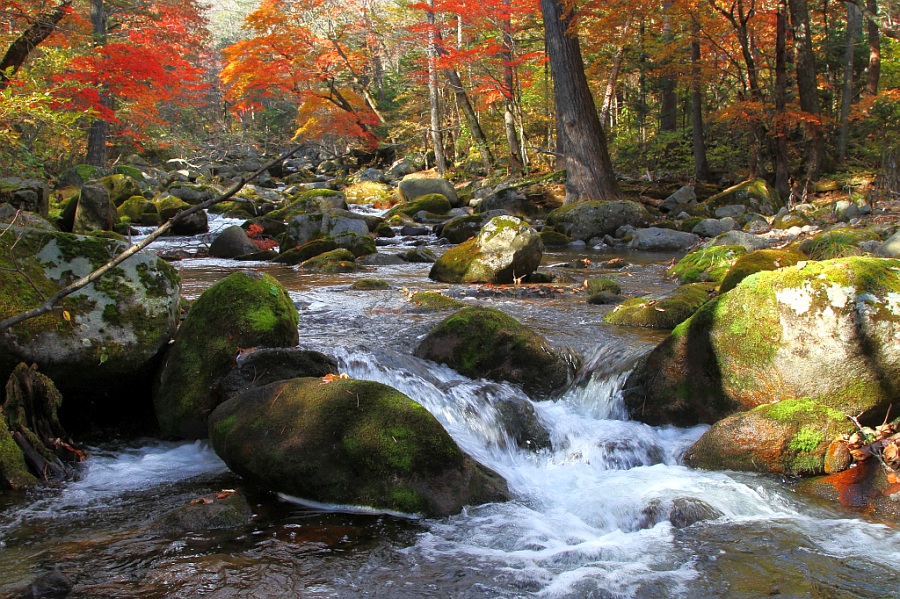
{"x":593,"y":517}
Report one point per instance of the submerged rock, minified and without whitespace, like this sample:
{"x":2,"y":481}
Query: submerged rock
{"x":240,"y":311}
{"x":823,"y":330}
{"x":349,"y":442}
{"x":222,"y":510}
{"x":506,"y":249}
{"x":486,"y":343}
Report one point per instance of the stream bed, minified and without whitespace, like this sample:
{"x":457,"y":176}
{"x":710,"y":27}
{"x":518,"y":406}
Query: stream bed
{"x":591,"y":518}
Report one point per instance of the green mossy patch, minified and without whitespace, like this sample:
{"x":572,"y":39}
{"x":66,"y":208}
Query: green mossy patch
{"x":433,"y":301}
{"x":432,"y":203}
{"x":454,"y":263}
{"x":756,"y":195}
{"x":308,"y":250}
{"x":555,"y":239}
{"x":243,"y":310}
{"x":663,"y":313}
{"x":14,"y":471}
{"x":370,"y":285}
{"x":598,"y":284}
{"x":706,"y":264}
{"x":758,"y":261}
{"x":838,"y":243}
{"x":340,"y":260}
{"x":787,"y":220}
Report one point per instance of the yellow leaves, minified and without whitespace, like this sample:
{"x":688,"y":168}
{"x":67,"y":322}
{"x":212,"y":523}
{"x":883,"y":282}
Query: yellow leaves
{"x":330,"y":378}
{"x":66,"y":316}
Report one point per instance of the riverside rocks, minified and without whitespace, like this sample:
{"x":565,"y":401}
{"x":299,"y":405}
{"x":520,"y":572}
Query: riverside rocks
{"x":349,"y":442}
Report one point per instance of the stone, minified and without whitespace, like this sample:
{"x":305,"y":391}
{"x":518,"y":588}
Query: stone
{"x":826,"y":331}
{"x":218,"y":511}
{"x":511,"y":200}
{"x":30,"y":195}
{"x":845,"y":210}
{"x":748,"y":241}
{"x":486,"y":343}
{"x":95,"y":211}
{"x":790,"y":219}
{"x":667,"y":312}
{"x":677,"y":202}
{"x":731,"y":211}
{"x":241,"y":311}
{"x":655,"y":239}
{"x":891,"y":246}
{"x":504,"y":250}
{"x":713,"y":227}
{"x":706,"y":264}
{"x":758,"y":261}
{"x":345,"y":230}
{"x":415,"y":186}
{"x":349,"y":442}
{"x":231,"y":243}
{"x":461,"y":228}
{"x":589,"y":219}
{"x":756,"y":195}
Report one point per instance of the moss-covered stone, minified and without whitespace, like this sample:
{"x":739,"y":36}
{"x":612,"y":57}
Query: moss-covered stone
{"x":823,"y":330}
{"x":370,"y":192}
{"x":788,"y":437}
{"x":688,"y":224}
{"x":243,"y":310}
{"x":370,"y":285}
{"x":706,"y":264}
{"x":14,"y":473}
{"x":662,"y":313}
{"x":139,"y":211}
{"x":597,"y":284}
{"x":120,"y":188}
{"x":335,"y":261}
{"x":838,"y":243}
{"x":758,"y":261}
{"x":555,"y":239}
{"x":304,"y":252}
{"x":348,"y":442}
{"x":756,"y":195}
{"x":433,"y":301}
{"x":484,"y":342}
{"x":787,"y":220}
{"x":590,"y":219}
{"x":309,"y":202}
{"x":433,"y":203}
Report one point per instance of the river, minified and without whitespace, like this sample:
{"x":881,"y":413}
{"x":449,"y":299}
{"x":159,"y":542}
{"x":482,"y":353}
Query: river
{"x":595,"y":517}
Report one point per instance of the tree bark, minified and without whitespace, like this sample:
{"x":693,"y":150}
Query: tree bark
{"x":433,"y":96}
{"x":854,"y":22}
{"x":808,"y":87}
{"x":782,"y":172}
{"x":516,"y":161}
{"x":39,"y":30}
{"x":873,"y":73}
{"x":613,"y":77}
{"x":99,"y":132}
{"x":668,"y":105}
{"x":589,"y":169}
{"x":701,"y":166}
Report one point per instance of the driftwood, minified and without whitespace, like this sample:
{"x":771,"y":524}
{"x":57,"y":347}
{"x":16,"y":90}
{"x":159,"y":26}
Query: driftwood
{"x":52,"y":301}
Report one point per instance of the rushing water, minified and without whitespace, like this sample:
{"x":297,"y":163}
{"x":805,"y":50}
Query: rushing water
{"x":608,"y":512}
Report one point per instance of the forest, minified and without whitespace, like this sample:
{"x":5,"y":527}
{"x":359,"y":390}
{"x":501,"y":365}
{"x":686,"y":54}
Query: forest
{"x":799,"y":92}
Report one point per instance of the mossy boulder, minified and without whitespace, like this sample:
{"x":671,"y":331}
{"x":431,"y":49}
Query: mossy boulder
{"x":349,"y":442}
{"x":506,"y":249}
{"x":260,"y":366}
{"x":346,"y":230}
{"x":664,"y":312}
{"x":587,"y":220}
{"x":139,"y":211}
{"x":706,"y":264}
{"x":823,"y":330}
{"x":94,"y":211}
{"x":370,"y":192}
{"x":432,"y":204}
{"x":758,"y":261}
{"x":788,"y":437}
{"x":309,"y":202}
{"x":30,"y":195}
{"x":243,"y":310}
{"x":487,"y":343}
{"x":109,"y":331}
{"x":193,"y":193}
{"x":599,"y":284}
{"x":414,"y":186}
{"x":837,"y":243}
{"x":756,"y":195}
{"x":787,"y":220}
{"x":554,"y":239}
{"x":304,"y":252}
{"x":336,"y":261}
{"x":461,"y":228}
{"x":434,"y":301}
{"x":120,"y":187}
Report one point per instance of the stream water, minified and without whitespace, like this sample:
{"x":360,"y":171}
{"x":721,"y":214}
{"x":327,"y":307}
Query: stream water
{"x":600,"y":515}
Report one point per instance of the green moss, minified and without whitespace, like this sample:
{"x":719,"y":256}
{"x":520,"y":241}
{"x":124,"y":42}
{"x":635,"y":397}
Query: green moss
{"x":597,"y":284}
{"x":335,"y":261}
{"x":306,"y":251}
{"x":706,"y":264}
{"x":807,"y":439}
{"x":433,"y":301}
{"x":158,"y":283}
{"x":554,"y":239}
{"x":452,"y":266}
{"x":406,"y":500}
{"x":835,"y":244}
{"x":688,"y":224}
{"x":432,"y":203}
{"x":753,"y":193}
{"x":787,"y":220}
{"x":370,"y":285}
{"x":663,"y":313}
{"x":13,"y":469}
{"x":96,"y":249}
{"x":758,"y":261}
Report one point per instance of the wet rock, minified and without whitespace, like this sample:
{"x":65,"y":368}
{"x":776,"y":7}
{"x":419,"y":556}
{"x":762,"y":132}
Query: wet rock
{"x":349,"y":442}
{"x":433,"y":301}
{"x":681,"y":512}
{"x":219,"y":511}
{"x":586,"y":220}
{"x":520,"y":421}
{"x":486,"y":343}
{"x":655,"y":239}
{"x":340,"y":260}
{"x":240,"y":311}
{"x":820,"y":330}
{"x":865,"y":489}
{"x":256,"y":367}
{"x":505,"y":249}
{"x":662,"y":312}
{"x":231,"y":243}
{"x":50,"y":585}
{"x":416,"y":185}
{"x":345,"y":230}
{"x":418,"y":256}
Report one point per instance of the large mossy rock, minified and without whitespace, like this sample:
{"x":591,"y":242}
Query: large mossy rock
{"x":30,"y":195}
{"x":349,"y":442}
{"x":587,"y":220}
{"x":94,"y":210}
{"x":487,"y":343}
{"x":432,"y":204}
{"x":309,"y":202}
{"x":823,"y":330}
{"x":789,"y":437}
{"x":120,"y":188}
{"x":755,"y":195}
{"x":241,"y":311}
{"x":109,"y":331}
{"x":346,"y":230}
{"x":838,"y":243}
{"x":662,"y":313}
{"x":506,"y":249}
{"x":707,"y":264}
{"x":759,"y":261}
{"x":416,"y":185}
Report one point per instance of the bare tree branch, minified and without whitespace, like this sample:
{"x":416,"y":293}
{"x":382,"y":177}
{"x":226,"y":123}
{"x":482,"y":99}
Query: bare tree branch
{"x":49,"y":303}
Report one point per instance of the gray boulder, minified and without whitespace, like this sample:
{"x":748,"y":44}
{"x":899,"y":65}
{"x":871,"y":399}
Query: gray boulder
{"x":587,"y":220}
{"x":678,"y":201}
{"x":231,"y":243}
{"x":31,"y":195}
{"x":415,"y":186}
{"x":891,"y":246}
{"x":654,"y":239}
{"x":748,"y":241}
{"x":95,"y":211}
{"x":713,"y":227}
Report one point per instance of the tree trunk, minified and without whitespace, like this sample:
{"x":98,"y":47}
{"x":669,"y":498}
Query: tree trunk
{"x":613,"y":77}
{"x":701,"y":166}
{"x":874,"y":71}
{"x":808,"y":87}
{"x":589,"y":173}
{"x":668,"y":105}
{"x":854,"y":22}
{"x":782,"y":172}
{"x":462,"y":100}
{"x":516,"y":163}
{"x":39,"y":30}
{"x":96,"y":149}
{"x":433,"y":96}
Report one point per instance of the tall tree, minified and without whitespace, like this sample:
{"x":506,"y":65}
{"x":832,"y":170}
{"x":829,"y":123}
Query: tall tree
{"x":873,"y":73}
{"x":854,"y":23}
{"x":589,"y":172}
{"x":40,"y":28}
{"x":782,"y":170}
{"x":99,"y":131}
{"x":698,"y":143}
{"x":808,"y":88}
{"x":437,"y":138}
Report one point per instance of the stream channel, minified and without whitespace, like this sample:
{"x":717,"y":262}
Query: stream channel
{"x":589,"y":518}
